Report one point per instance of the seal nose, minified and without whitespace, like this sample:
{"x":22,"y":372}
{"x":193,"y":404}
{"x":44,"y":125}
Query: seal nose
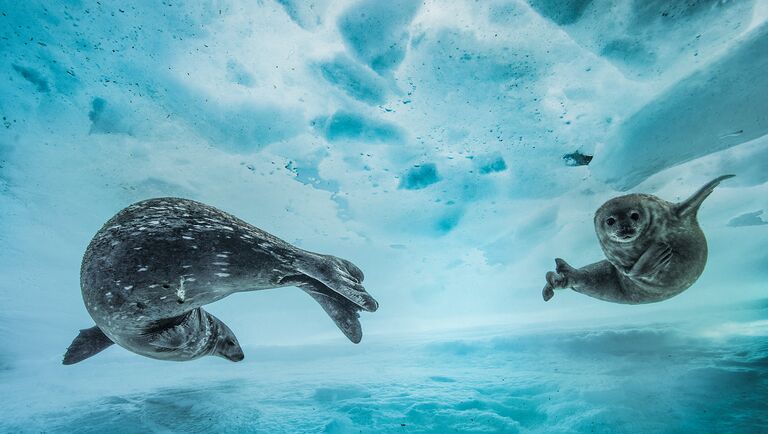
{"x":237,"y":357}
{"x":625,"y":232}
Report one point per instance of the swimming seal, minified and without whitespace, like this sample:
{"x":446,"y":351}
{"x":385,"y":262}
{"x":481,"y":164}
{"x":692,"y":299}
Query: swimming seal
{"x":655,"y":250}
{"x":147,"y":273}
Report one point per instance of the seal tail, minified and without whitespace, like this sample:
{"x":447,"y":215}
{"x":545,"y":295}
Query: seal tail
{"x":563,"y":267}
{"x":88,"y":343}
{"x":690,"y":206}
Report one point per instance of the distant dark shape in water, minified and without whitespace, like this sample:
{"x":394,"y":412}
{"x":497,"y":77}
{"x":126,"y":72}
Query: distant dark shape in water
{"x":577,"y":159}
{"x":147,"y":273}
{"x":655,"y":250}
{"x":34,"y":77}
{"x":748,"y":219}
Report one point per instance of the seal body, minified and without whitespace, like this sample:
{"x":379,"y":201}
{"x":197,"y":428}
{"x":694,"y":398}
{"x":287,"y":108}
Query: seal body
{"x":654,"y":250}
{"x":147,"y":273}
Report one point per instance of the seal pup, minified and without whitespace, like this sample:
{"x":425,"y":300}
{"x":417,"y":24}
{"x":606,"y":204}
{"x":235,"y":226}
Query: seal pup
{"x":655,"y":250}
{"x":147,"y":273}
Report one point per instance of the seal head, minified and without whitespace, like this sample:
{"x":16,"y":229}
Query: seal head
{"x":627,"y":225}
{"x":225,"y":345}
{"x":186,"y":337}
{"x":622,"y":219}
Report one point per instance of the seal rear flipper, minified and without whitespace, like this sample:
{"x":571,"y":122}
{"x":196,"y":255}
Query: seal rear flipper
{"x":690,"y":206}
{"x":88,"y":343}
{"x":342,"y":311}
{"x":341,"y":276}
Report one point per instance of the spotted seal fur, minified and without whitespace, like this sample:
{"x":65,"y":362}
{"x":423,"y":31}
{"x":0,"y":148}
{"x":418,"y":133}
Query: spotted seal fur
{"x":147,"y":273}
{"x":654,"y":249}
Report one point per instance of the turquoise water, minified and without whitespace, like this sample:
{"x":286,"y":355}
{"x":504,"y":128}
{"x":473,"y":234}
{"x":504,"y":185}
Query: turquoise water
{"x":449,"y":149}
{"x":678,"y":377}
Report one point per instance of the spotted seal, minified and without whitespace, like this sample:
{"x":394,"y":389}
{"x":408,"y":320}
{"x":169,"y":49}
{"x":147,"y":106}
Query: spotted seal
{"x":655,"y":250}
{"x":147,"y":273}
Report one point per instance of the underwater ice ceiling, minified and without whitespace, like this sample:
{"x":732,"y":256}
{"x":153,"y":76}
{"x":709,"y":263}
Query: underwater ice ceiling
{"x":446,"y":147}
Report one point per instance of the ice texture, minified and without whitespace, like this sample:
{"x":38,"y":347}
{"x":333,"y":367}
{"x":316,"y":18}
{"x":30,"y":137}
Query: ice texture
{"x":748,"y":219}
{"x":723,"y":105}
{"x":377,"y":32}
{"x":443,"y":147}
{"x":649,"y":38}
{"x":420,"y":177}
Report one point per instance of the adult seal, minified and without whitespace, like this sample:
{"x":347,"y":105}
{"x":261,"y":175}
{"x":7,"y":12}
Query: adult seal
{"x":147,"y":273}
{"x":655,"y":250}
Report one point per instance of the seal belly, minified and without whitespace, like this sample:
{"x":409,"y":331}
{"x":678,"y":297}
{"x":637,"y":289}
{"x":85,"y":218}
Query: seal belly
{"x":689,"y":247}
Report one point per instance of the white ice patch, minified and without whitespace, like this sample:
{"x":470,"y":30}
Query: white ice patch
{"x":222,"y":274}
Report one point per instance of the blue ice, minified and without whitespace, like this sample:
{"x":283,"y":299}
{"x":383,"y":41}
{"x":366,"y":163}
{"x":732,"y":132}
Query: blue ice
{"x":450,"y":149}
{"x":420,"y":176}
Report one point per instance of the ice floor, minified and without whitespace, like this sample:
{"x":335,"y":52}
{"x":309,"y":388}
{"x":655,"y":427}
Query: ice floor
{"x":678,"y":377}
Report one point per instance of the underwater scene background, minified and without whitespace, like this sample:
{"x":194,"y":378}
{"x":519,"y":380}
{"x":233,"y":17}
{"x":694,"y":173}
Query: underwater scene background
{"x":450,"y":149}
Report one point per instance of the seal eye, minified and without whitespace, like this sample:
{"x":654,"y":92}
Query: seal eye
{"x":610,"y":221}
{"x":635,"y":216}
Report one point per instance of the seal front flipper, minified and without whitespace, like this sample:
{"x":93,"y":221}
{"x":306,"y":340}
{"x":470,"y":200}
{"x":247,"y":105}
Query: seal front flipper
{"x":88,"y":343}
{"x":342,"y":311}
{"x":557,"y":279}
{"x":651,"y":261}
{"x":171,"y":338}
{"x":690,"y":206}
